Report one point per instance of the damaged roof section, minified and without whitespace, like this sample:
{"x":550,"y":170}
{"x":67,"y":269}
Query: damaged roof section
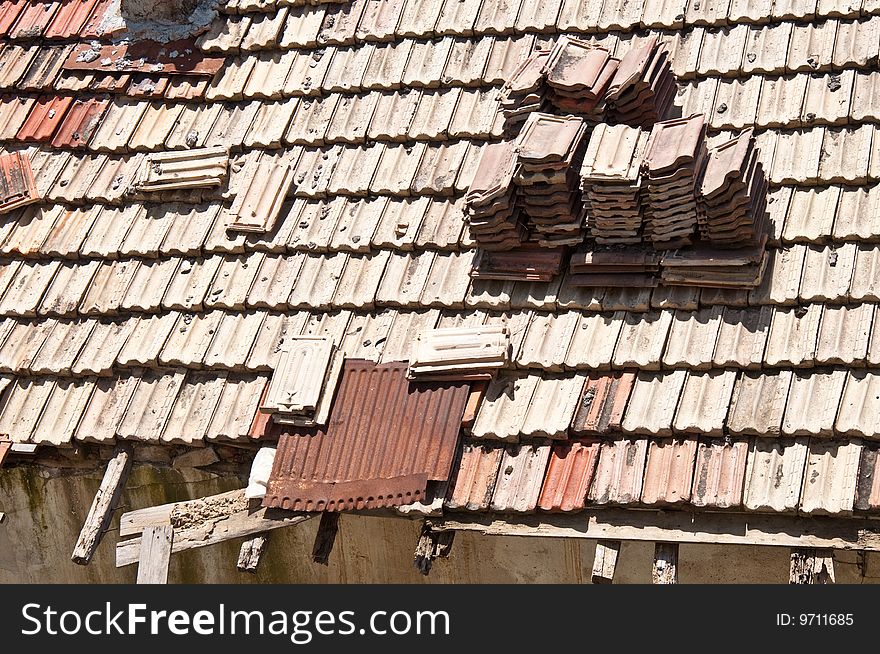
{"x":385,"y":440}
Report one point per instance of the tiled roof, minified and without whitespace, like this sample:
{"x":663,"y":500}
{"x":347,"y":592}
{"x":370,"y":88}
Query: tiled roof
{"x":344,"y":137}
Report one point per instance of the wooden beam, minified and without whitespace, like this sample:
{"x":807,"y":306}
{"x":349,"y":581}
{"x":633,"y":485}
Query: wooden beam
{"x":682,"y":527}
{"x":605,"y":561}
{"x":326,"y":537}
{"x":211,"y":520}
{"x":665,"y":570}
{"x":250,"y":553}
{"x":133,"y":522}
{"x":431,"y":544}
{"x":105,"y":501}
{"x":155,"y":555}
{"x":811,"y":566}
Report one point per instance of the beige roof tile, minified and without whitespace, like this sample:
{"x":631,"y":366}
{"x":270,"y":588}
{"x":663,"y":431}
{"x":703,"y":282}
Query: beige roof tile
{"x":433,"y":114}
{"x":722,"y":49}
{"x":302,"y":26}
{"x":188,"y":342}
{"x":827,"y":273}
{"x":315,"y":222}
{"x":705,"y":399}
{"x":193,"y":409}
{"x":235,"y":276}
{"x":620,"y":472}
{"x":844,"y":334}
{"x":347,"y":69}
{"x":758,"y":403}
{"x":148,"y":285}
{"x":404,"y":279}
{"x":316,"y":281}
{"x":193,"y":126}
{"x":269,"y":75}
{"x":653,"y":403}
{"x":781,"y":101}
{"x":859,"y":406}
{"x":547,"y":340}
{"x":810,"y":214}
{"x":812,"y":46}
{"x":155,"y":126}
{"x":150,"y":406}
{"x":552,"y":407}
{"x":507,"y":54}
{"x":274,"y":331}
{"x":22,"y":296}
{"x":379,"y":19}
{"x":229,"y":82}
{"x":856,"y":43}
{"x":641,"y":341}
{"x":270,"y":123}
{"x":697,"y":96}
{"x":273,"y":281}
{"x":828,"y":98}
{"x":314,"y":170}
{"x":692,"y":337}
{"x":101,"y":349}
{"x":467,"y":61}
{"x":385,"y":69}
{"x":75,"y":181}
{"x":684,"y":52}
{"x":22,"y":343}
{"x":418,"y":18}
{"x":236,"y":408}
{"x":736,"y":103}
{"x":504,"y":407}
{"x":520,"y":476}
{"x":489,"y":294}
{"x":741,"y":337}
{"x":62,"y":411}
{"x":351,"y":118}
{"x":812,"y":403}
{"x":858,"y":215}
{"x":782,"y":277}
{"x":65,"y":291}
{"x":190,"y":283}
{"x":225,"y":34}
{"x":30,"y":230}
{"x":866,"y":96}
{"x":233,"y":340}
{"x":147,"y":339}
{"x":105,"y":408}
{"x":830,"y":477}
{"x":405,"y":327}
{"x":61,"y":346}
{"x":497,"y":17}
{"x":766,"y":48}
{"x":117,"y":125}
{"x":793,"y":335}
{"x":359,"y":281}
{"x":393,"y":115}
{"x":675,"y":297}
{"x":662,"y":13}
{"x":775,"y":474}
{"x":24,"y":403}
{"x":307,"y":72}
{"x":866,"y":274}
{"x":353,"y":173}
{"x":797,"y":156}
{"x":189,"y":229}
{"x":400,"y":223}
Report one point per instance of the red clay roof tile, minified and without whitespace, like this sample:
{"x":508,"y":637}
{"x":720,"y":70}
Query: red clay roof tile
{"x":569,"y":475}
{"x":9,"y":12}
{"x":80,"y":123}
{"x":33,"y":21}
{"x":70,"y":19}
{"x":45,"y":116}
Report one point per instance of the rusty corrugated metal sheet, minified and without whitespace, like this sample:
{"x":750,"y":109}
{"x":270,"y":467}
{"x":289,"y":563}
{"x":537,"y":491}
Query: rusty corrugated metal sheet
{"x":386,"y":438}
{"x":600,"y":409}
{"x":569,"y":475}
{"x":144,"y":56}
{"x":17,"y":186}
{"x":80,"y":123}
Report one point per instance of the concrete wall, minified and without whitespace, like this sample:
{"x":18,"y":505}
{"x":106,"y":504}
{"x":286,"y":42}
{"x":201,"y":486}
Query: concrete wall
{"x":45,"y":512}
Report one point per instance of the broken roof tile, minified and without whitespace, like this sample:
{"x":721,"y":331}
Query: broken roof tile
{"x":476,"y":474}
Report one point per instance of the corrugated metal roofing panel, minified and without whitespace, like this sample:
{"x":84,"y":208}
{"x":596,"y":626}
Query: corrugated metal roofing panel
{"x":669,"y":471}
{"x":775,"y":473}
{"x":812,"y":403}
{"x":377,"y":410}
{"x":520,"y":477}
{"x":720,"y":470}
{"x":569,"y":475}
{"x":758,"y":403}
{"x":619,"y":475}
{"x":831,"y":477}
{"x":653,"y":402}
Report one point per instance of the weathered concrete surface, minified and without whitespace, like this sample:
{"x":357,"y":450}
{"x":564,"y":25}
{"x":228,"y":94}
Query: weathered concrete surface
{"x":45,"y":513}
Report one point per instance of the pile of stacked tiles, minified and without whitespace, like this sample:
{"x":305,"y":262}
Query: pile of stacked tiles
{"x":643,"y":87}
{"x":674,"y":158}
{"x":548,"y":154}
{"x":524,"y":92}
{"x":611,"y":183}
{"x":732,"y":196}
{"x":491,"y":211}
{"x":578,"y":75}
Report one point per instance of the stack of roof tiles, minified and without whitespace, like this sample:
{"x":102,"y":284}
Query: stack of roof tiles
{"x":674,"y":157}
{"x":643,"y":86}
{"x":492,"y":211}
{"x":611,"y":179}
{"x":578,"y":74}
{"x":140,"y":317}
{"x":525,"y":92}
{"x":732,"y":196}
{"x":548,"y":153}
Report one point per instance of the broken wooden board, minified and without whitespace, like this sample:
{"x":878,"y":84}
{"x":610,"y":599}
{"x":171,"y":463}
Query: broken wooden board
{"x":605,"y":561}
{"x":682,"y":527}
{"x":665,"y":568}
{"x":811,"y":566}
{"x":155,"y":555}
{"x":251,"y":552}
{"x":105,"y":501}
{"x":207,"y":521}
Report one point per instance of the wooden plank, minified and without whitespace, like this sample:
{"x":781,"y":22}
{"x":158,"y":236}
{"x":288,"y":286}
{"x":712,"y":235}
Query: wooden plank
{"x":605,"y":561}
{"x":101,"y":512}
{"x":199,"y":523}
{"x":250,"y":553}
{"x":155,"y":555}
{"x":133,"y":522}
{"x":811,"y":566}
{"x":665,"y":570}
{"x":431,"y":545}
{"x":682,"y":527}
{"x":325,"y":537}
